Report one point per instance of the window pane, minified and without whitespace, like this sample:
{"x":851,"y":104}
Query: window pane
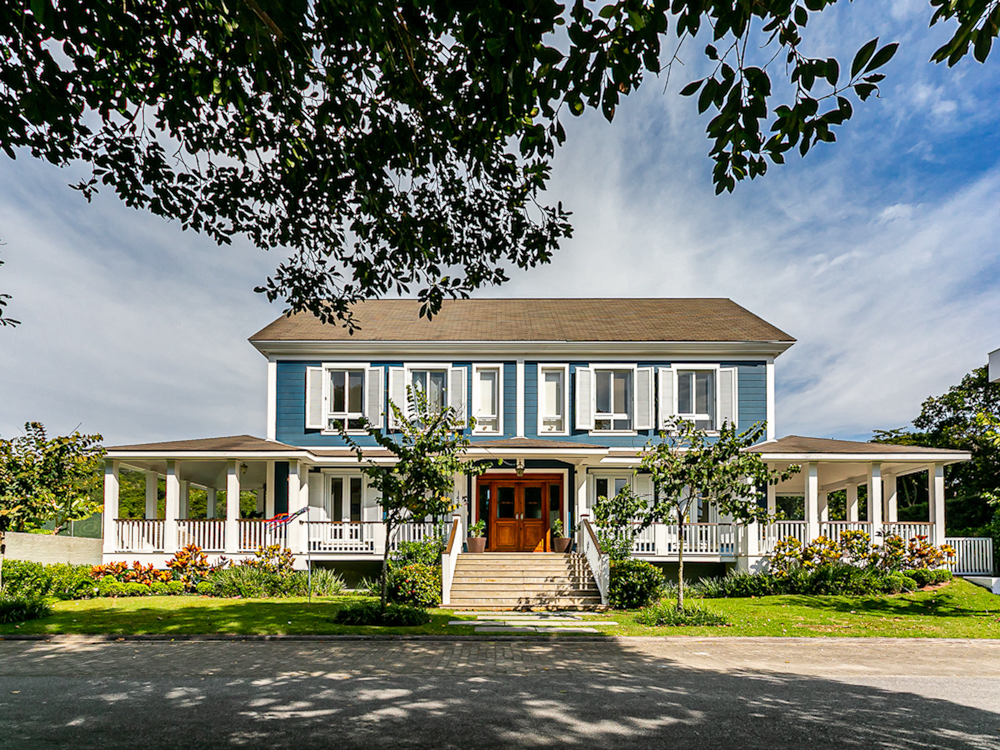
{"x":355,"y":391}
{"x":487,"y":393}
{"x":603,"y":393}
{"x":620,"y":484}
{"x":552,"y":424}
{"x":435,"y":390}
{"x":602,"y":424}
{"x":684,"y":393}
{"x":355,"y":499}
{"x":622,"y":405}
{"x":505,"y":502}
{"x":623,"y":424}
{"x":552,"y":393}
{"x":602,"y":487}
{"x":533,"y":502}
{"x":337,"y":390}
{"x":484,"y":504}
{"x":419,"y":380}
{"x":704,"y":392}
{"x":337,"y":512}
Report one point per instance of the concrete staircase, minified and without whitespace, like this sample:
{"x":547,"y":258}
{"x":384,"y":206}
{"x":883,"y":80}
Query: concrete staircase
{"x":502,"y":580}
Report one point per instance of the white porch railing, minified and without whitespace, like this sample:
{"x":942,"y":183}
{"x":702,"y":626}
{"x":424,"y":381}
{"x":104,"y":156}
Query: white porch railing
{"x":702,"y":539}
{"x":416,"y":532}
{"x":833,"y":529}
{"x":339,"y":537}
{"x":208,"y":534}
{"x":973,"y":556}
{"x":908,"y":529}
{"x":644,"y":542}
{"x":597,"y":558}
{"x":254,"y":533}
{"x":139,"y":535}
{"x":449,"y":558}
{"x":772,"y":532}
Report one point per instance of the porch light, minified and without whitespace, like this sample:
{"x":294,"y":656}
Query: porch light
{"x":519,"y":467}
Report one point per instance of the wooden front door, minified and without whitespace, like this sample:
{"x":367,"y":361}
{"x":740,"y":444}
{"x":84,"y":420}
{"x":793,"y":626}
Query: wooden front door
{"x":520,"y":511}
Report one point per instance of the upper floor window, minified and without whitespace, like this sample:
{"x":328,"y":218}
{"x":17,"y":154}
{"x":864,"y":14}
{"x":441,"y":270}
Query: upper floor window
{"x":486,"y":397}
{"x":433,"y":384}
{"x":346,"y":399}
{"x":613,"y":405}
{"x":696,"y":397}
{"x":552,"y":400}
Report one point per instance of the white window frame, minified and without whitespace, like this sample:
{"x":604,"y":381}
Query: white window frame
{"x":341,"y":474}
{"x":611,"y":476}
{"x":564,"y":369}
{"x":444,"y":367}
{"x":498,"y":367}
{"x":703,"y":367}
{"x":328,"y":413}
{"x":600,"y":367}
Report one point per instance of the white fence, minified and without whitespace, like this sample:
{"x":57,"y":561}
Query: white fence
{"x":210,"y":535}
{"x":254,"y":533}
{"x":139,"y":535}
{"x":908,"y":529}
{"x":348,"y":538}
{"x":973,"y":555}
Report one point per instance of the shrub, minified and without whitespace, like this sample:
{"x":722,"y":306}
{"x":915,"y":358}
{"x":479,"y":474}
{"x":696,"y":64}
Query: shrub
{"x":371,"y":613}
{"x":896,"y":582}
{"x":274,"y":559}
{"x":941,"y":575}
{"x":132,"y":588}
{"x":175,"y":587}
{"x":665,"y":613}
{"x":326,"y":582}
{"x":427,"y":552}
{"x":189,"y":566}
{"x":634,"y":584}
{"x":245,"y":581}
{"x":159,"y":588}
{"x":369,"y":587}
{"x":416,"y":584}
{"x":921,"y":576}
{"x":16,"y":609}
{"x":741,"y":584}
{"x":23,"y":579}
{"x":108,"y":586}
{"x":205,"y":588}
{"x":819,"y":552}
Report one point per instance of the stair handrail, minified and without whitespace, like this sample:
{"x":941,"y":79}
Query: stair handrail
{"x":449,"y":558}
{"x":597,"y":559}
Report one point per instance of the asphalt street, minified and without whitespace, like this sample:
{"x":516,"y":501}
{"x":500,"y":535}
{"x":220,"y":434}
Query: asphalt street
{"x":629,"y":693}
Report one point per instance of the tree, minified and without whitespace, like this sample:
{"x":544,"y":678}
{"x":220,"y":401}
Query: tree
{"x":396,"y":144}
{"x":44,"y":479}
{"x":615,"y":520}
{"x":428,"y":454}
{"x":6,"y":320}
{"x":689,"y":466}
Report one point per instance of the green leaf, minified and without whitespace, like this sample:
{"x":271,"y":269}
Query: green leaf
{"x":863,"y":56}
{"x":608,"y":11}
{"x":984,"y":42}
{"x":691,"y":87}
{"x":883,"y":56}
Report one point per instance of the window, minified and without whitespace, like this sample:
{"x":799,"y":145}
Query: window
{"x":345,"y":499}
{"x":696,"y":397}
{"x":346,"y":398}
{"x":552,"y":400}
{"x":487,"y":399}
{"x":608,"y":487}
{"x":433,"y":384}
{"x":614,"y":400}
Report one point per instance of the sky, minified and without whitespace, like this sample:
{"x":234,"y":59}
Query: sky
{"x":879,"y":254}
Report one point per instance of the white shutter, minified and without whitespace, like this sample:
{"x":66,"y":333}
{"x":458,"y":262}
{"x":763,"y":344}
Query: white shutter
{"x":457,"y":392}
{"x":642,"y":485}
{"x":644,"y":398}
{"x":397,"y":394}
{"x":374,"y":397}
{"x":317,"y":502}
{"x":728,"y":407}
{"x":666,"y":401}
{"x":584,"y":398}
{"x":314,"y":398}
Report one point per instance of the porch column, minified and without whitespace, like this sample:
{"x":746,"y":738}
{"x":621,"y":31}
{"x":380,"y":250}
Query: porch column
{"x":891,"y":498}
{"x":824,"y":507}
{"x":935,"y":495}
{"x":752,"y":529}
{"x":211,"y":498}
{"x":260,"y":500}
{"x":852,"y":502}
{"x":172,"y":504}
{"x":875,"y":501}
{"x":772,"y":499}
{"x":152,"y":485}
{"x":110,"y":517}
{"x":185,"y":509}
{"x":232,"y":545}
{"x":269,"y":491}
{"x":294,"y":537}
{"x":810,"y":475}
{"x":581,"y":501}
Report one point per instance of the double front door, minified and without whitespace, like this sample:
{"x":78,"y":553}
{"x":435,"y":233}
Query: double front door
{"x":520,"y":511}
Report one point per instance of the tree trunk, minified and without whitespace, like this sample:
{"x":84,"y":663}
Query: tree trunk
{"x":680,"y":559}
{"x":385,"y":561}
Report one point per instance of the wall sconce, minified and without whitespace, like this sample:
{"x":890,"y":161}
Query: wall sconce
{"x":519,"y":467}
{"x":243,"y":469}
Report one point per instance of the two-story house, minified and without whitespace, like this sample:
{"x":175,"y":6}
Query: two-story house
{"x":564,"y":392}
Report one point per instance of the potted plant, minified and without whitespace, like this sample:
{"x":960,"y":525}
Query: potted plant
{"x":477,"y":537}
{"x":560,"y":543}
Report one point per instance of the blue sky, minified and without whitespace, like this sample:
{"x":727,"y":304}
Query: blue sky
{"x":879,"y":254}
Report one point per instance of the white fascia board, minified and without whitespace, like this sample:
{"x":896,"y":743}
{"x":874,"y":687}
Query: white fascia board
{"x":529,"y":350}
{"x":534,"y":452}
{"x":854,"y":458}
{"x":210,"y":455}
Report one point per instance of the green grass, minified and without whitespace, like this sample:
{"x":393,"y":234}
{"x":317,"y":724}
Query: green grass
{"x":958,"y":610}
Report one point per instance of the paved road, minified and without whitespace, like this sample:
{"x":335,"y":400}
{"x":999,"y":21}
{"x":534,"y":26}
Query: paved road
{"x":729,"y":693}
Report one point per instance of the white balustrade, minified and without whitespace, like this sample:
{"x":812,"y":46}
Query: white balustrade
{"x":907,"y":530}
{"x":644,"y":542}
{"x":346,"y":538}
{"x":139,"y":535}
{"x":833,"y":529}
{"x":771,"y":533}
{"x":254,"y":533}
{"x":600,"y":565}
{"x":702,"y":539}
{"x":449,"y":558}
{"x":973,"y":556}
{"x":417,"y":532}
{"x":208,"y":534}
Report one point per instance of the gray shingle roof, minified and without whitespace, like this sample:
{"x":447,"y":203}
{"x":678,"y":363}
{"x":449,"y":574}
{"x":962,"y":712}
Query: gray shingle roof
{"x":694,"y":320}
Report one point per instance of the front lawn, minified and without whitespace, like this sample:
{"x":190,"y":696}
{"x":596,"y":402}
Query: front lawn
{"x":957,"y":610}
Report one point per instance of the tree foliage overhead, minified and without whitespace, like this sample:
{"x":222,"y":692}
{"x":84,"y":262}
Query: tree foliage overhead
{"x":390,"y":145}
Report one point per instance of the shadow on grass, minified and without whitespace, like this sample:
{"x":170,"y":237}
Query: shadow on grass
{"x":943,"y":603}
{"x":437,"y":695}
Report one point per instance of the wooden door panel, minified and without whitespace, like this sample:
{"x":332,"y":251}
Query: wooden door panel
{"x":506,"y":522}
{"x":532,"y":518}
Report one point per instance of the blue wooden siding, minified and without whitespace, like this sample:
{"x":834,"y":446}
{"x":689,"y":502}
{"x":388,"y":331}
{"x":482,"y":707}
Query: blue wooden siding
{"x":752,"y":393}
